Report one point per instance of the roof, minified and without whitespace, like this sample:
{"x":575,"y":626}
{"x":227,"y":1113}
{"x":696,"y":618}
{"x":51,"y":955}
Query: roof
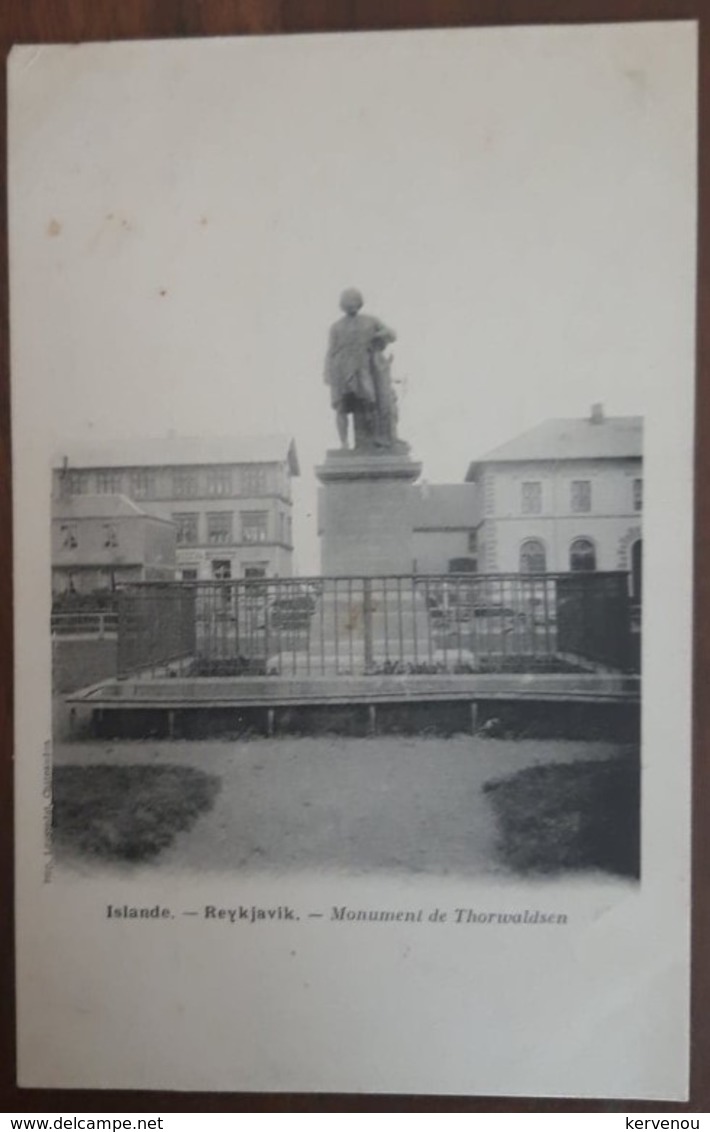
{"x":447,"y":506}
{"x":100,"y":507}
{"x":175,"y":451}
{"x":570,"y":438}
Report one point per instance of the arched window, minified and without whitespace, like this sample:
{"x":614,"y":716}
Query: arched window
{"x":582,"y":555}
{"x":532,"y":557}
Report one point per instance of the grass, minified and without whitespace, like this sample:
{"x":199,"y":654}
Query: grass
{"x":127,"y":813}
{"x":559,"y":817}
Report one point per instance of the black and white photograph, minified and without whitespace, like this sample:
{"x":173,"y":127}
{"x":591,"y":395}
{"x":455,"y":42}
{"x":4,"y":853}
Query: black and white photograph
{"x":457,"y":689}
{"x":352,"y":394}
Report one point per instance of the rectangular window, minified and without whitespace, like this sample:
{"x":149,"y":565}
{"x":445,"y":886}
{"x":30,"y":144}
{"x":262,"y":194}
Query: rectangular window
{"x":254,"y":481}
{"x":143,"y":485}
{"x":187,"y":532}
{"x":254,"y":572}
{"x":219,"y":481}
{"x":581,"y":496}
{"x":69,"y":536}
{"x":108,"y":483}
{"x":186,"y":485}
{"x":532,"y":498}
{"x":110,"y":536}
{"x":219,"y":528}
{"x":221,"y":569}
{"x":189,"y":574}
{"x":254,"y":526}
{"x":472,"y":542}
{"x":77,"y":483}
{"x":638,"y":495}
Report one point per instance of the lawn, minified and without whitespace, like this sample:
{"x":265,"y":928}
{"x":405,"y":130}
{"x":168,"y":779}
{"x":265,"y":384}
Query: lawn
{"x":390,"y":804}
{"x":128,"y":813}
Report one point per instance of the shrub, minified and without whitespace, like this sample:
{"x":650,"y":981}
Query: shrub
{"x":96,"y":601}
{"x":128,"y":813}
{"x":570,"y":816}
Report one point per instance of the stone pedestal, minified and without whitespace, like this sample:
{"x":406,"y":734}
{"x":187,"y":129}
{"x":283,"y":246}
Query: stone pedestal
{"x":365,"y":512}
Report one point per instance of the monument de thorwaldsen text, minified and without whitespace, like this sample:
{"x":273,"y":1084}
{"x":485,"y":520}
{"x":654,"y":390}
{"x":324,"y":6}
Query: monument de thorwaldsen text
{"x":367,"y":499}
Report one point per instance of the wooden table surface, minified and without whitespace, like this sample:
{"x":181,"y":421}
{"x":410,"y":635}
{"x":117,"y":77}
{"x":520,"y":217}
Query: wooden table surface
{"x":47,"y":21}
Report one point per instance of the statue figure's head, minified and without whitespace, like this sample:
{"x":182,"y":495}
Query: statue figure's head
{"x":351,"y":300}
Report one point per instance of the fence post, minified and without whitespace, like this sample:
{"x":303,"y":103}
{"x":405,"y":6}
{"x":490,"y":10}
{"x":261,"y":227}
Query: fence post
{"x":367,"y":622}
{"x":371,"y":719}
{"x":474,"y":717}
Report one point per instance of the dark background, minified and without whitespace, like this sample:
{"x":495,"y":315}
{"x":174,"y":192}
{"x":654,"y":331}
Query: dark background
{"x":48,"y":21}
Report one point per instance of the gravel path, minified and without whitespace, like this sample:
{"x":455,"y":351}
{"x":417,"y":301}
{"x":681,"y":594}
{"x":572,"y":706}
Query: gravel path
{"x":398,"y":804}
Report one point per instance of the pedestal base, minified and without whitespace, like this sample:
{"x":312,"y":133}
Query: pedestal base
{"x":365,"y":513}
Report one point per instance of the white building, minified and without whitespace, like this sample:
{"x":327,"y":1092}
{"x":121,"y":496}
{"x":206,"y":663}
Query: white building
{"x":567,"y":495}
{"x":230,"y":498}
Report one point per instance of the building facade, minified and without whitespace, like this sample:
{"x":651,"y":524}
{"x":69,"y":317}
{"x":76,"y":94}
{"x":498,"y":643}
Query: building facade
{"x":101,"y":540}
{"x":447,"y":518}
{"x":565,"y":496}
{"x":229,"y":500}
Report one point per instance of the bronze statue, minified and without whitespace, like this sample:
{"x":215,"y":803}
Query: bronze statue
{"x":358,"y":372}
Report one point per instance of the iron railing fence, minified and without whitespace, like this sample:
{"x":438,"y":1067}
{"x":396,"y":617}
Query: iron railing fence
{"x":378,"y":625}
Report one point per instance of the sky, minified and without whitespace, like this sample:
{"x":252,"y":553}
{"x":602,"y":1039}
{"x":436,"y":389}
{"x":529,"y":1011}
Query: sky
{"x":516,"y":203}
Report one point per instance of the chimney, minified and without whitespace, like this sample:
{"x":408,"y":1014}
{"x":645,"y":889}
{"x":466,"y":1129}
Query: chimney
{"x":64,"y":491}
{"x":597,"y":416}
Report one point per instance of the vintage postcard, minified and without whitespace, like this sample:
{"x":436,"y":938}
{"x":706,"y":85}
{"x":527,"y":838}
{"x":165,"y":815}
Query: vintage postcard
{"x":352,"y":388}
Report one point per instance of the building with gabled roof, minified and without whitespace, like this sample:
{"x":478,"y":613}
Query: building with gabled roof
{"x":228,"y":497}
{"x":99,"y":541}
{"x":565,"y":495}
